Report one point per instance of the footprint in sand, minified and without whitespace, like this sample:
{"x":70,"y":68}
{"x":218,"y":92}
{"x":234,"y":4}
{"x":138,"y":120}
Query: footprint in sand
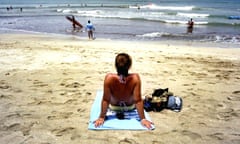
{"x":2,"y":96}
{"x":14,"y":115}
{"x":25,"y":129}
{"x":75,"y":136}
{"x":223,"y":110}
{"x":70,"y":101}
{"x":236,"y":92}
{"x":72,"y":84}
{"x":4,"y":85}
{"x":41,"y":102}
{"x":227,"y":114}
{"x":235,"y":96}
{"x":192,"y":135}
{"x":217,"y":136}
{"x":80,"y":110}
{"x":38,"y":83}
{"x":221,"y":105}
{"x":59,"y":115}
{"x":63,"y":131}
{"x":127,"y":141}
{"x":157,"y":142}
{"x":13,"y":127}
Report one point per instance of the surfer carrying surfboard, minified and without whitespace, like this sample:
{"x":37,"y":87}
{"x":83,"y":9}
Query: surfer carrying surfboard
{"x":74,"y":22}
{"x":90,"y":28}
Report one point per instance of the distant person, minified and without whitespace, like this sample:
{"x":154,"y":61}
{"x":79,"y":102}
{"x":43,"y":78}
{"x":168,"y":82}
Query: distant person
{"x":9,"y":8}
{"x":122,"y":91}
{"x":90,"y":28}
{"x":21,"y":9}
{"x":190,"y":25}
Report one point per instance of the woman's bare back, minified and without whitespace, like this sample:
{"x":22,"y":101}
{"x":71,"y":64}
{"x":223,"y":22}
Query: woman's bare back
{"x":122,"y":91}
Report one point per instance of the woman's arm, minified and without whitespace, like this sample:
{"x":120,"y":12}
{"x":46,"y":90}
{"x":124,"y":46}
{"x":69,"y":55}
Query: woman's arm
{"x":139,"y":102}
{"x":105,"y":101}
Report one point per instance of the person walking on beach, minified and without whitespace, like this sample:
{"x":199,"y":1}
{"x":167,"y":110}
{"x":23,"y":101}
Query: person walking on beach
{"x":90,"y":28}
{"x":120,"y":89}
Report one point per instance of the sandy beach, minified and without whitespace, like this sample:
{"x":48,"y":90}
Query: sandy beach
{"x":48,"y":85}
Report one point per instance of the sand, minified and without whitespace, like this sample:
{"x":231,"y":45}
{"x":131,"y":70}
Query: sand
{"x":48,"y":85}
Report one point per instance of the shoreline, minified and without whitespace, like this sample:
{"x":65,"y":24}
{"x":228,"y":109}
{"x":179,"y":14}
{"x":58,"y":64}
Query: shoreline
{"x":83,"y":35}
{"x":187,"y":43}
{"x":48,"y":84}
{"x":212,"y":47}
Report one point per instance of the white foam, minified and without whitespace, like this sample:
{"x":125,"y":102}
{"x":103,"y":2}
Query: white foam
{"x":192,"y":15}
{"x":67,"y":11}
{"x":184,"y":22}
{"x":153,"y":35}
{"x":157,"y":7}
{"x":59,"y":10}
{"x":175,"y":21}
{"x":201,"y":23}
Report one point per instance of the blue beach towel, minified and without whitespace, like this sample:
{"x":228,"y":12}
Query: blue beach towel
{"x":131,"y":121}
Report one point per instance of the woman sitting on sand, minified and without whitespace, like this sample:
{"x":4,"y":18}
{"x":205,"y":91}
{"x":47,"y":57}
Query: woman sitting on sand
{"x":122,"y":88}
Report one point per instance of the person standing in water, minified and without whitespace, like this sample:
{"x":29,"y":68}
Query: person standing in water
{"x":190,"y":26}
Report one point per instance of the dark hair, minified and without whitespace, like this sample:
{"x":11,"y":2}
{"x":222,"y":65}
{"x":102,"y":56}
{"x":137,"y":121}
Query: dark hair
{"x":89,"y":21}
{"x":122,"y":63}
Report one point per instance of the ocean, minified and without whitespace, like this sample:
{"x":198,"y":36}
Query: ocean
{"x":149,"y":20}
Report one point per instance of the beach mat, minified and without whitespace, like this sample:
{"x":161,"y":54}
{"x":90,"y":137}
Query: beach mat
{"x":131,"y":121}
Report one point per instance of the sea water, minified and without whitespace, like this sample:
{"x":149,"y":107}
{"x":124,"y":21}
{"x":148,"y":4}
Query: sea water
{"x":154,"y":20}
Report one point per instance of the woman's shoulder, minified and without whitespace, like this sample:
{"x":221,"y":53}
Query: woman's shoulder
{"x":111,"y":78}
{"x":134,"y":74}
{"x":134,"y":77}
{"x":111,"y":75}
{"x":116,"y":75}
